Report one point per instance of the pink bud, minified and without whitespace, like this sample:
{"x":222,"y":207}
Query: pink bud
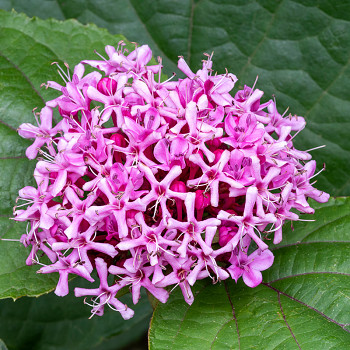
{"x":178,"y":186}
{"x":218,"y":154}
{"x":107,"y":86}
{"x":202,"y":199}
{"x":119,"y":140}
{"x":226,"y":234}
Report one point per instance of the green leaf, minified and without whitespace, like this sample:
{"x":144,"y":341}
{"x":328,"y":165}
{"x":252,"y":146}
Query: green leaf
{"x":300,"y":50}
{"x":302,"y":303}
{"x":53,"y":323}
{"x":27,"y":49}
{"x":16,"y":278}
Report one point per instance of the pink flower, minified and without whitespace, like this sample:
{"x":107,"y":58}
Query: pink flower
{"x":163,"y":184}
{"x":43,"y":133}
{"x":249,"y":266}
{"x":71,"y":264}
{"x":104,"y":295}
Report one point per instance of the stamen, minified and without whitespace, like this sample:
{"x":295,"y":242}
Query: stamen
{"x":68,"y":73}
{"x":166,"y":81}
{"x":174,"y":287}
{"x":253,"y":87}
{"x":10,"y":240}
{"x":98,"y":54}
{"x":60,"y":74}
{"x":312,"y":149}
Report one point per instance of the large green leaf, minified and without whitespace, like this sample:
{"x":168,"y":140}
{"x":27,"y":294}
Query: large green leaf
{"x":299,"y":48}
{"x":52,"y":323}
{"x":303,"y":302}
{"x":27,"y":49}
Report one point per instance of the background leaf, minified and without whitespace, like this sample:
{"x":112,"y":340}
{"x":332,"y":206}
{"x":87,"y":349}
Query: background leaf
{"x":299,"y":48}
{"x":303,"y":302}
{"x":16,"y":278}
{"x":53,"y":323}
{"x":27,"y":49}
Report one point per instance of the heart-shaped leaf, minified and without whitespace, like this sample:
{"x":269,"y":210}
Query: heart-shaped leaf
{"x":299,"y":49}
{"x":303,"y":302}
{"x":27,"y":49}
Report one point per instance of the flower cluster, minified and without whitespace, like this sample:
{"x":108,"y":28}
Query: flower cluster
{"x":159,"y":184}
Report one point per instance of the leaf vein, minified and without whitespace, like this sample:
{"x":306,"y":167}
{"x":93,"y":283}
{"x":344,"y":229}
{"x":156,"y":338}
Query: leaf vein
{"x":220,"y":329}
{"x":326,"y":224}
{"x":324,"y":92}
{"x":308,"y":306}
{"x":183,"y":318}
{"x":233,"y":314}
{"x":146,"y":29}
{"x":7,"y":125}
{"x":285,"y":320}
{"x":253,"y":54}
{"x":13,"y":157}
{"x":23,"y":74}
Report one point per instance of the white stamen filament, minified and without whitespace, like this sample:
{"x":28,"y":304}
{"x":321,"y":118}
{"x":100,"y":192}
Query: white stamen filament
{"x":312,"y":149}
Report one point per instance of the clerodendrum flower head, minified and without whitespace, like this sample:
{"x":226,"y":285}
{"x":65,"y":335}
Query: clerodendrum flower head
{"x":158,"y":183}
